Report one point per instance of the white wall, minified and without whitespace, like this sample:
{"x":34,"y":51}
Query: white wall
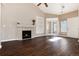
{"x":47,"y":26}
{"x":13,"y":13}
{"x":73,"y":27}
{"x":8,"y":22}
{"x":0,"y":25}
{"x":39,"y":26}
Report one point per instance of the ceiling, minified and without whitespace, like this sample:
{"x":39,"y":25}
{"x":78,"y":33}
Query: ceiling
{"x":56,"y":8}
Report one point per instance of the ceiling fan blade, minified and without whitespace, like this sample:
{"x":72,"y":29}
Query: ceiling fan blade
{"x":38,"y":4}
{"x":46,"y":4}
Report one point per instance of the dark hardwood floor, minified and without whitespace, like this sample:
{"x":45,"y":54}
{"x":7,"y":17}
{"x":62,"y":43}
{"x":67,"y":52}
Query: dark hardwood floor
{"x":41,"y":46}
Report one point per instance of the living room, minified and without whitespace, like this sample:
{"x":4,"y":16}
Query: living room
{"x":39,"y":29}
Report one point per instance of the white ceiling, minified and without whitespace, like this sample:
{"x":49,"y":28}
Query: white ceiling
{"x":56,"y":8}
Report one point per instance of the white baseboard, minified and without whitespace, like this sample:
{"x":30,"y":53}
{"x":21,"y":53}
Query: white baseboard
{"x":38,"y":35}
{"x":8,"y":40}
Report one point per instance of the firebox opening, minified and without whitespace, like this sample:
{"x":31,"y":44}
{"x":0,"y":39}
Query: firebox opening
{"x":26,"y":34}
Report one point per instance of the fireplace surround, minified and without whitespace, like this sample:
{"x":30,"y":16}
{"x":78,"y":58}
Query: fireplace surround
{"x":25,"y":32}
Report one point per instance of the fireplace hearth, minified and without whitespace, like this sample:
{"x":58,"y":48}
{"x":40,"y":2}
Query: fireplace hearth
{"x":26,"y":34}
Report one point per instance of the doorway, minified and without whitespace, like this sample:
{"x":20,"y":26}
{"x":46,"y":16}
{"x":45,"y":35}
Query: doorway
{"x":51,"y":26}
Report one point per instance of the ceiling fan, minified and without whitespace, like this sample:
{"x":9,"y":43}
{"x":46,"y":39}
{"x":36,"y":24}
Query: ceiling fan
{"x":46,"y":5}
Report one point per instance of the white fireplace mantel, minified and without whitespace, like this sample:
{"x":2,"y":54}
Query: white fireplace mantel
{"x":20,"y":28}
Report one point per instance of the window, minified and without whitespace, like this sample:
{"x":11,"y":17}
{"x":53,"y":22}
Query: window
{"x":53,"y":27}
{"x":64,"y":26}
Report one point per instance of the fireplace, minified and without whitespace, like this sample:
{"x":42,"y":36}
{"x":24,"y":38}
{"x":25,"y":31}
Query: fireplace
{"x":26,"y":34}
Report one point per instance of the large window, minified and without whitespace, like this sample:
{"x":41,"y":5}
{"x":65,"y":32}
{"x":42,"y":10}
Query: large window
{"x":63,"y":26}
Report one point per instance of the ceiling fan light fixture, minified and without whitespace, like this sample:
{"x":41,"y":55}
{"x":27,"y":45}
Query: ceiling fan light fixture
{"x":46,"y":5}
{"x":38,"y":4}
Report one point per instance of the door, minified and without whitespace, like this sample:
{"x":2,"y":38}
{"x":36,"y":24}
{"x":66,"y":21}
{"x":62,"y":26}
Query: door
{"x":53,"y":27}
